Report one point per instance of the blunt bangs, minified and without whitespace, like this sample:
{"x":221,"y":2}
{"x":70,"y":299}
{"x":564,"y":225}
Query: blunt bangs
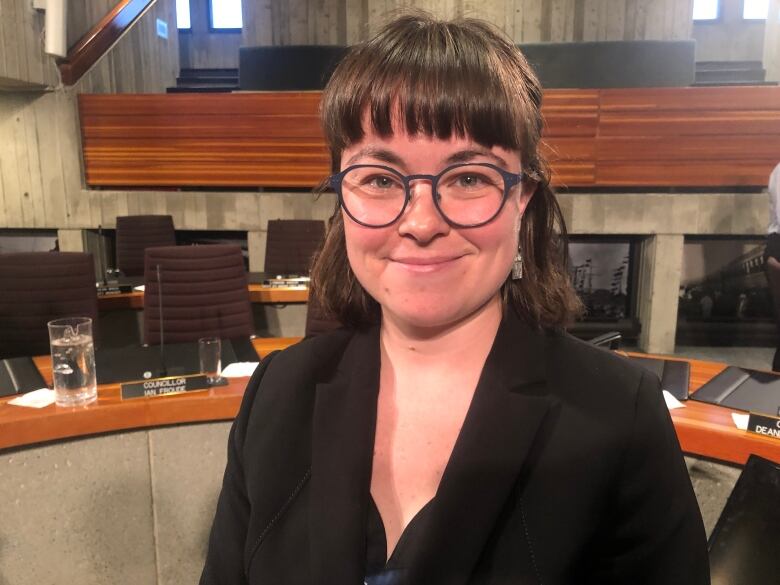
{"x":434,"y":78}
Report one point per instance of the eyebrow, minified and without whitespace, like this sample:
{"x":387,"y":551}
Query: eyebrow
{"x":378,"y":153}
{"x":467,"y":155}
{"x":390,"y":157}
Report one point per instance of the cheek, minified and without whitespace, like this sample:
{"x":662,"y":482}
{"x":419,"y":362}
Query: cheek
{"x":363,"y":244}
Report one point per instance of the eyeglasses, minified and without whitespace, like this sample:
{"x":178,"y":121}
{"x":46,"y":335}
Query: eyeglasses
{"x":465,"y":194}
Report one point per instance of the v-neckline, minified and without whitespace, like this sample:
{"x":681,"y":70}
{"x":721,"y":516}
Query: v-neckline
{"x":411,"y":528}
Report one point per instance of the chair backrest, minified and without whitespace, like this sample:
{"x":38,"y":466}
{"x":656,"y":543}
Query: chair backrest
{"x":291,"y":244}
{"x":135,"y":233}
{"x":743,"y":545}
{"x":204,"y":293}
{"x":36,"y":287}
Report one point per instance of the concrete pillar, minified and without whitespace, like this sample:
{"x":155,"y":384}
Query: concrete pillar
{"x":72,"y":240}
{"x":256,"y":246}
{"x":660,"y":267}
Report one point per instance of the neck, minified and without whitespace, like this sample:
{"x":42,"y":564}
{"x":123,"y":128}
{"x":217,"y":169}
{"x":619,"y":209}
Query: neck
{"x":467,"y":338}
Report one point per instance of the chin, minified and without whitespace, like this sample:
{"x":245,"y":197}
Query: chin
{"x":428,"y":316}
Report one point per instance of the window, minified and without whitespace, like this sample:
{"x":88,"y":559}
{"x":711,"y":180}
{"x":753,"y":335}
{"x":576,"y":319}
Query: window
{"x":225,"y":15}
{"x":755,"y":9}
{"x":706,"y":9}
{"x":183,"y":15}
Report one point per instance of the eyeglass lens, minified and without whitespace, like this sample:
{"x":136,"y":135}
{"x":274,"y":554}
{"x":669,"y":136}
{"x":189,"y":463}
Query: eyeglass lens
{"x":466,"y":194}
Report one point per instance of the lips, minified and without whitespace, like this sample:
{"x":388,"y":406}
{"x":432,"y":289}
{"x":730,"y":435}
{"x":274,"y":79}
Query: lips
{"x":425,"y":263}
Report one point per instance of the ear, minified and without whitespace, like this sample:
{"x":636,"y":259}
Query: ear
{"x":528,"y":191}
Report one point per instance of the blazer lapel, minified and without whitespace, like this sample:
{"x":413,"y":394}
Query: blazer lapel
{"x":509,"y":405}
{"x":344,"y":423}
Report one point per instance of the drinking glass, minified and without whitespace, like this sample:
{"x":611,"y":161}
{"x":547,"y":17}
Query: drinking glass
{"x":73,"y":361}
{"x":210,"y":353}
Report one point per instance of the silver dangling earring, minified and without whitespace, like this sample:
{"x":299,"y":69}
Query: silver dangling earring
{"x":517,"y":266}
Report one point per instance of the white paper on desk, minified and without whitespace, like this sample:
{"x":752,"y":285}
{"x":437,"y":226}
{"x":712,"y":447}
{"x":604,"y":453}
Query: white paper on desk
{"x":139,"y":288}
{"x":239,"y":369}
{"x":740,"y":420}
{"x":35,"y":399}
{"x":671,"y":401}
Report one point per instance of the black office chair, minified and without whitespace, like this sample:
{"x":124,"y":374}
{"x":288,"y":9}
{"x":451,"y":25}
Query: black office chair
{"x":204,"y":294}
{"x":291,"y":244}
{"x":36,"y":287}
{"x":744,"y":546}
{"x":136,"y":233}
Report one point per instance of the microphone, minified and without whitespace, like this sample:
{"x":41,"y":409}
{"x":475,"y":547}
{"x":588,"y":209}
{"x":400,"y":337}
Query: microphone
{"x":164,"y":371}
{"x":102,"y":252}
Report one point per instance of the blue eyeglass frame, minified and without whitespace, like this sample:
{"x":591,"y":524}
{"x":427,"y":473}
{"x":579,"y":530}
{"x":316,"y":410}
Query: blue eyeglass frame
{"x":510,"y":180}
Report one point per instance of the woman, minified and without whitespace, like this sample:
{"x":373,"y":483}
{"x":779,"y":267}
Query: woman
{"x":452,"y":433}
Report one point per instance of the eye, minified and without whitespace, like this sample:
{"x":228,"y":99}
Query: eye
{"x":381,"y":181}
{"x":470,"y":180}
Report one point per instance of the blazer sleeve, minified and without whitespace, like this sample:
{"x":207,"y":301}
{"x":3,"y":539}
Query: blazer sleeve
{"x":657,"y":534}
{"x":225,"y":556}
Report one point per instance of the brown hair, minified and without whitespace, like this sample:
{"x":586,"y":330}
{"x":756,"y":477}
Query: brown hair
{"x":441,"y":79}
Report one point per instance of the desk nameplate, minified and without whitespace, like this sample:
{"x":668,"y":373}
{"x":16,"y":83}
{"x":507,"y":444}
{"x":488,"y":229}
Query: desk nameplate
{"x":762,"y":424}
{"x":163,"y":386}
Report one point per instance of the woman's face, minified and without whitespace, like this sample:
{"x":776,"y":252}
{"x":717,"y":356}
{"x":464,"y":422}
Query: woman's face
{"x":423,"y":272}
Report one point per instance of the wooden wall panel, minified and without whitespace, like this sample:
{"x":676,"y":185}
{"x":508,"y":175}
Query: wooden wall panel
{"x":592,"y":138}
{"x":276,"y":137}
{"x":688,"y":136}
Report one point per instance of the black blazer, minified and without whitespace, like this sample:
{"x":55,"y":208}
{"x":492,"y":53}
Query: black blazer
{"x":567,"y":470}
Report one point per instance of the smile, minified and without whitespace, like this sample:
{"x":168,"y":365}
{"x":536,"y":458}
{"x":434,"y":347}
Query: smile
{"x":424,"y":265}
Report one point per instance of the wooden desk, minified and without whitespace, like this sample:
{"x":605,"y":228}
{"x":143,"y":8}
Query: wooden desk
{"x":703,"y":429}
{"x":24,"y":426}
{"x":258,"y":293}
{"x":708,"y":430}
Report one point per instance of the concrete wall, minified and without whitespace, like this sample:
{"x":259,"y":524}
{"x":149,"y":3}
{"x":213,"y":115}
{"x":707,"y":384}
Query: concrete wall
{"x":136,"y":508}
{"x":772,"y":42}
{"x":141,"y":62}
{"x":202,"y":49}
{"x":662,"y":219}
{"x":730,"y":38}
{"x":41,"y":179}
{"x":23,"y":64}
{"x":84,"y":14}
{"x":286,"y":22}
{"x":126,"y":509}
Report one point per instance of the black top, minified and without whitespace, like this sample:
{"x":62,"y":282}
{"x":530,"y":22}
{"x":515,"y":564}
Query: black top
{"x":567,"y":470}
{"x":377,"y":571}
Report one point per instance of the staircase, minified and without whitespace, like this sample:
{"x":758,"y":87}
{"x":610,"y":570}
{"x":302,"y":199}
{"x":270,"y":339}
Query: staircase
{"x":709,"y":73}
{"x":206,"y":81}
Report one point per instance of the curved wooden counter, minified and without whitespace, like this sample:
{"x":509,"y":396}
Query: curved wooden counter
{"x":24,"y":426}
{"x":703,"y":429}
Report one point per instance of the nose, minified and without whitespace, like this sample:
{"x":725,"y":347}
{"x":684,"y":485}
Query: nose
{"x":421,"y":219}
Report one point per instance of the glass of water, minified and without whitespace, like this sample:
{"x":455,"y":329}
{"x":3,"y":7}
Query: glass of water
{"x":73,"y":361}
{"x":210,"y":354}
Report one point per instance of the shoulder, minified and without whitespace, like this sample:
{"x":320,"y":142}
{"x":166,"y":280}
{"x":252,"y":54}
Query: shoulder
{"x":596,"y":378}
{"x":285,"y":380}
{"x":310,"y":359}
